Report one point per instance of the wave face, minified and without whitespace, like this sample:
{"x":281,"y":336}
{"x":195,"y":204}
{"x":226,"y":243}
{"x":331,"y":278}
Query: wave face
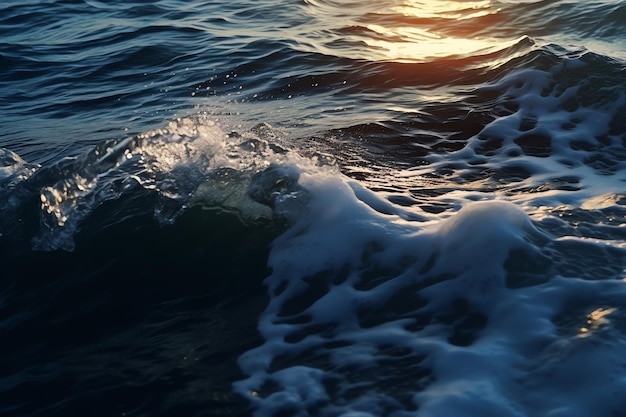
{"x":313,"y":208}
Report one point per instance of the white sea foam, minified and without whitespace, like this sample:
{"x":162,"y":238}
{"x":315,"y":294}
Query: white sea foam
{"x":343,"y":339}
{"x":511,"y":306}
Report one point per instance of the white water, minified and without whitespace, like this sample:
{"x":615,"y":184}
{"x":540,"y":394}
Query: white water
{"x":548,"y":347}
{"x":511,"y":306}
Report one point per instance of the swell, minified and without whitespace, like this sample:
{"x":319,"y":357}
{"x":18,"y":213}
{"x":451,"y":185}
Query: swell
{"x":584,"y":19}
{"x":134,"y":75}
{"x":473,"y":98}
{"x":571,"y":82}
{"x":175,"y":290}
{"x":298,"y":73}
{"x":503,"y":20}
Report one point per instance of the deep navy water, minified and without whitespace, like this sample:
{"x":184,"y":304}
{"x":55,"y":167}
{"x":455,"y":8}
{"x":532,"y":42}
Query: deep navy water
{"x":313,"y":208}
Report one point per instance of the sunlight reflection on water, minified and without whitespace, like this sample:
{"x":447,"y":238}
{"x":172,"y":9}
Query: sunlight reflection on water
{"x":407,"y":31}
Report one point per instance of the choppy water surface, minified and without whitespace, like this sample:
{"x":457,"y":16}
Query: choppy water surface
{"x":313,"y":208}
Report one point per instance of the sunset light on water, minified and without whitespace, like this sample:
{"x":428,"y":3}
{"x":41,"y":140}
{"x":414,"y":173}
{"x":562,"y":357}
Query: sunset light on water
{"x":423,"y":31}
{"x":312,"y":208}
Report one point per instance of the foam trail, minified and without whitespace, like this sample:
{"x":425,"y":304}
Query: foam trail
{"x":371,"y":314}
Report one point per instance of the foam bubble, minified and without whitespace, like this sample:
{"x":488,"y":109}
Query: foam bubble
{"x":376,"y":312}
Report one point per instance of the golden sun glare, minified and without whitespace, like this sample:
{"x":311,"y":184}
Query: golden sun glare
{"x":456,"y":10}
{"x":426,"y":30}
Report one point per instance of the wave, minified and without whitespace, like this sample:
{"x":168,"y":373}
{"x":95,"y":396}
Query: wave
{"x":376,"y":306}
{"x":511,"y":128}
{"x":312,"y":203}
{"x":375,"y":313}
{"x":171,"y":162}
{"x":387,"y":318}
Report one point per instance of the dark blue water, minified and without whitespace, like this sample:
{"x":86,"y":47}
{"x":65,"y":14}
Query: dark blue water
{"x":160,"y":159}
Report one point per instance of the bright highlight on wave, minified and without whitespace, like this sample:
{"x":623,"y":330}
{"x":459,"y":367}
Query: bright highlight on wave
{"x":407,"y":31}
{"x":437,"y":29}
{"x":456,"y":10}
{"x":423,"y":45}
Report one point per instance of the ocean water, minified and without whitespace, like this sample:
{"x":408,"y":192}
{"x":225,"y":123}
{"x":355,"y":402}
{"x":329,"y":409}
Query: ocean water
{"x":278,"y":208}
